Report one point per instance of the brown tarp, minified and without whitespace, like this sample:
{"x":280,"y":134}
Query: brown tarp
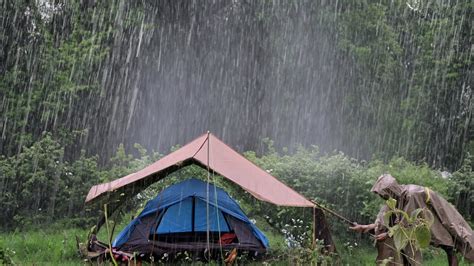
{"x":449,"y":227}
{"x":220,"y":158}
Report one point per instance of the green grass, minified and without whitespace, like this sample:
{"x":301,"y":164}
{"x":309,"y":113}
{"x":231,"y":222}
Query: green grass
{"x":43,"y":247}
{"x":57,"y":246}
{"x":366,"y":256}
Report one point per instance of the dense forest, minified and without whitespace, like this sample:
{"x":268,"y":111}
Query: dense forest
{"x":364,"y":77}
{"x":386,"y":83}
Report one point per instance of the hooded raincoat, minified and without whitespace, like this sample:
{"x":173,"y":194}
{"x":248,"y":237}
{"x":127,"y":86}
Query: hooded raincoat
{"x":449,"y":227}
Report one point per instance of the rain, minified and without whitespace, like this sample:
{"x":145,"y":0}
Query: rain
{"x":323,"y":95}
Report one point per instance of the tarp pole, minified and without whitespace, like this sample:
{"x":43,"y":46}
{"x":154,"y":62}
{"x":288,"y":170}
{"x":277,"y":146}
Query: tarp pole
{"x":207,"y":195}
{"x":322,"y":232}
{"x":313,"y":240}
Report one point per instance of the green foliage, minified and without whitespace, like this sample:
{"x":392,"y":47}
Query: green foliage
{"x":462,"y":188}
{"x":302,"y":256}
{"x":41,"y":187}
{"x":412,"y":230}
{"x":51,"y":66}
{"x":6,"y":256}
{"x":411,"y":67}
{"x":338,"y":182}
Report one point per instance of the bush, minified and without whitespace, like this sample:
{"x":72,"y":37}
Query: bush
{"x":343,"y":184}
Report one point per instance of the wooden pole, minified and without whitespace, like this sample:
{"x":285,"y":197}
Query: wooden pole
{"x":207,"y":195}
{"x":314,"y":228}
{"x":337,"y":215}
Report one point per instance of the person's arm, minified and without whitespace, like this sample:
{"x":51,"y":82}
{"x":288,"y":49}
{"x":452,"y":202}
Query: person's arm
{"x":365,"y":228}
{"x":362,"y":228}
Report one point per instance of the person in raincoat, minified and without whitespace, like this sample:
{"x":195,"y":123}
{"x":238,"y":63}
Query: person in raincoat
{"x":449,"y":230}
{"x":387,"y":254}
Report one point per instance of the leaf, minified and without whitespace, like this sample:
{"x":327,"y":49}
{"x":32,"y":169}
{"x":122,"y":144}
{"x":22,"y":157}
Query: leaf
{"x":392,"y":230}
{"x":391,"y":203}
{"x":414,"y":214}
{"x":423,"y":236}
{"x":387,"y":261}
{"x":428,"y":217}
{"x":399,"y":239}
{"x":280,"y":213}
{"x":386,"y":218}
{"x":404,"y":214}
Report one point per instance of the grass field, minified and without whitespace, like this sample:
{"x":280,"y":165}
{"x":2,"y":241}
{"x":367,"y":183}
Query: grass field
{"x":52,"y":246}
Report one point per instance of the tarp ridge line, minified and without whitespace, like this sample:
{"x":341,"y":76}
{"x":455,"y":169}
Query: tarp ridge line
{"x":202,"y":145}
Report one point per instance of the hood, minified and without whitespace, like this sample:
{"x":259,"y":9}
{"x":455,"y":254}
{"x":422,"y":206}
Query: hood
{"x":386,"y":186}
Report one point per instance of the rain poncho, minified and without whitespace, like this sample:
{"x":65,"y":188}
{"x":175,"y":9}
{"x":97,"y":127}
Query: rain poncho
{"x":449,"y":227}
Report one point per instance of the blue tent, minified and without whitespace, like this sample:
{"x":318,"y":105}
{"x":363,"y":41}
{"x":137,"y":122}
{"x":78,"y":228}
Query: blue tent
{"x":190,"y":207}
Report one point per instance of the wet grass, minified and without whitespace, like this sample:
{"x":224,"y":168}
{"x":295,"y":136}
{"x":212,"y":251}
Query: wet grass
{"x":52,"y":246}
{"x":56,"y":246}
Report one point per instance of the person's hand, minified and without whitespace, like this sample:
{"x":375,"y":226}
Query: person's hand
{"x":381,"y":237}
{"x":361,"y":228}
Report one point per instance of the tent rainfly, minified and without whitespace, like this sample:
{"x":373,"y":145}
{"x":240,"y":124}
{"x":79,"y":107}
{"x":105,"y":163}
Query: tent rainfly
{"x":209,"y":152}
{"x":179,"y":217}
